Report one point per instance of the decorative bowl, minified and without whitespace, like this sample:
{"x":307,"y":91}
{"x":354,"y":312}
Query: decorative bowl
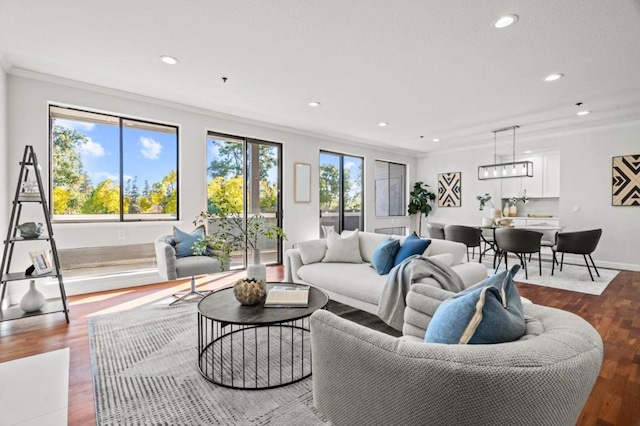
{"x":30,"y":230}
{"x":249,"y":291}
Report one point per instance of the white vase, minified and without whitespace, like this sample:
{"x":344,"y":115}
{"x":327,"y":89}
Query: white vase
{"x":33,"y":300}
{"x":258,"y":272}
{"x":513,"y":211}
{"x":256,"y":256}
{"x":505,"y":212}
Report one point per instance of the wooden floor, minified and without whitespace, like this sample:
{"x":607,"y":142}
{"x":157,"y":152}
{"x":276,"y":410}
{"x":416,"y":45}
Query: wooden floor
{"x":615,"y":399}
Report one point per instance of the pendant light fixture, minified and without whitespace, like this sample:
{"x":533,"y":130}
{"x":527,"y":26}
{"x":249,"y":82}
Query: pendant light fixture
{"x":505,"y":170}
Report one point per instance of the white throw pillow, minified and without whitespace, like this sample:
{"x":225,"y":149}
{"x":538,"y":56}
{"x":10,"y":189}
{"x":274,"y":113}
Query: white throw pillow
{"x":343,"y":250}
{"x":312,"y":251}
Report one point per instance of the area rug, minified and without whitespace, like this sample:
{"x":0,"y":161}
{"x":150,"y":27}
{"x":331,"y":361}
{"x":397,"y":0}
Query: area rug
{"x":572,"y":277}
{"x":143,"y":364}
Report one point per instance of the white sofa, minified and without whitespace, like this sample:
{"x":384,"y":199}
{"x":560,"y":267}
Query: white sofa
{"x":358,"y":284}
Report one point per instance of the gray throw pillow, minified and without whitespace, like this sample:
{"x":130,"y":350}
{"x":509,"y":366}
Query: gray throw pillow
{"x":312,"y":251}
{"x":343,"y":250}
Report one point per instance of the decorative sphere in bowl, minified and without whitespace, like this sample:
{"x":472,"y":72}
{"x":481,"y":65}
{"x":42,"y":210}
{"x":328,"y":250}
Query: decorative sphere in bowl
{"x":249,"y":291}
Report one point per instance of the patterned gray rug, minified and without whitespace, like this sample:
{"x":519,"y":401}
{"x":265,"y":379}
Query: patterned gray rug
{"x":144,"y":371}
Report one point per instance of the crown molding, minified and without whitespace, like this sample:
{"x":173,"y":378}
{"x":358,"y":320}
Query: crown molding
{"x":338,"y":138}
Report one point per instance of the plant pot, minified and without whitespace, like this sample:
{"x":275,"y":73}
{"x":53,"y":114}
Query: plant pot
{"x":257,"y":272}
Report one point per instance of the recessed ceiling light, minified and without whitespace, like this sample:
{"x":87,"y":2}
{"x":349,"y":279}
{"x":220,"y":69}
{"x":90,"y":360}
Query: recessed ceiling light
{"x":505,"y":21}
{"x":383,"y":124}
{"x":314,"y":104}
{"x":583,"y":112}
{"x":168,"y":59}
{"x":553,"y":77}
{"x":528,"y":152}
{"x":436,"y":140}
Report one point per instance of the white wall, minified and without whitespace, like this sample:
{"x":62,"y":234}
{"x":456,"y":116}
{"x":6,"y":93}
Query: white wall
{"x":585,"y":180}
{"x":28,"y":97}
{"x":4,"y":185}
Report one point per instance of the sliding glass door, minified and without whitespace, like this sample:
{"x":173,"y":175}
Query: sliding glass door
{"x":340,"y":186}
{"x":243,"y":177}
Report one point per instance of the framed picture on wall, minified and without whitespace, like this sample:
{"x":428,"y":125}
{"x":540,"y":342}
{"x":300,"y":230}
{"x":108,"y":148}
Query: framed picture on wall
{"x":301,"y":182}
{"x":449,"y":189}
{"x":626,"y":181}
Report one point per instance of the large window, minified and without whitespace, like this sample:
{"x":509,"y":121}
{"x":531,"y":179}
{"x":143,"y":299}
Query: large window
{"x":243,"y":177}
{"x":110,"y":168}
{"x":390,"y":188}
{"x":341,"y":191}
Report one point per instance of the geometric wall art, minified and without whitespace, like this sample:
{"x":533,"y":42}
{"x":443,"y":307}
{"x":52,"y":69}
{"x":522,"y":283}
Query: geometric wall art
{"x":626,"y":181}
{"x":449,"y":189}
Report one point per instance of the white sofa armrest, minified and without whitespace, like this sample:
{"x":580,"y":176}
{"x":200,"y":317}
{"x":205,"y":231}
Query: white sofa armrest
{"x":458,"y":250}
{"x":292,"y":262}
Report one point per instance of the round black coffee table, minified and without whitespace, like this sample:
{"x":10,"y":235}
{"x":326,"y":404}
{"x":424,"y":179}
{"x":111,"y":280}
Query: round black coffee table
{"x":253,"y":347}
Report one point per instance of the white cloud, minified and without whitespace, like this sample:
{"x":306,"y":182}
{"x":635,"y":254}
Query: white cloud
{"x":92,"y":149}
{"x":150,"y":148}
{"x":100,"y":176}
{"x":127,"y":177}
{"x":348,"y":165}
{"x":75,"y":125}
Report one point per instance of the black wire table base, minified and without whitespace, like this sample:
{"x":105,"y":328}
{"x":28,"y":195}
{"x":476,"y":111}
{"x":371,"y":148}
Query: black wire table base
{"x":260,"y":356}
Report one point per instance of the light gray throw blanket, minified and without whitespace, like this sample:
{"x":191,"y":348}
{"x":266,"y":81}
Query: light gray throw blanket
{"x":392,"y":301}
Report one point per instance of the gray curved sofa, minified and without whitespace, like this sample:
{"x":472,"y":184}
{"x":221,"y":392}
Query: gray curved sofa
{"x":364,"y":377}
{"x":358,"y":284}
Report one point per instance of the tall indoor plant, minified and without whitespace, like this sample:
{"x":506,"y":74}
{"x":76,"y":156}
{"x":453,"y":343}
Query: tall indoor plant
{"x":420,"y":202}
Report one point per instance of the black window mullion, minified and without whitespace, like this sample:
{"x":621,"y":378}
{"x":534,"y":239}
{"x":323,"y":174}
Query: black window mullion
{"x":121,"y":170}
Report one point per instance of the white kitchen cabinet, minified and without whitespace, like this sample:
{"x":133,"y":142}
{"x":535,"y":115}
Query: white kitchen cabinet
{"x":551,"y":175}
{"x":545,"y":181}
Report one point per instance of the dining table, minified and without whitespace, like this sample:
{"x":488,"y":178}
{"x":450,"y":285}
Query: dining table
{"x":490,"y":244}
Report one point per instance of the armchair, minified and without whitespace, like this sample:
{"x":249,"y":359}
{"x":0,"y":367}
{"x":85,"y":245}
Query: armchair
{"x":172,"y":267}
{"x":364,"y":377}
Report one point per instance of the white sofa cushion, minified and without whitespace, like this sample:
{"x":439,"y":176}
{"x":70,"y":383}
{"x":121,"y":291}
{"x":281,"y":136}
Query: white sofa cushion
{"x":312,"y":251}
{"x":342,"y":249}
{"x":358,"y":281}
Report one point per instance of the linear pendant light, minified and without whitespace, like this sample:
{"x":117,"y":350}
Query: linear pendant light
{"x":505,"y":170}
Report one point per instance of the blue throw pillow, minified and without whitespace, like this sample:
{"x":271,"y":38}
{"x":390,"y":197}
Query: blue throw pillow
{"x":384,"y":256}
{"x":488,"y":312}
{"x":185,"y":241}
{"x":411,"y":245}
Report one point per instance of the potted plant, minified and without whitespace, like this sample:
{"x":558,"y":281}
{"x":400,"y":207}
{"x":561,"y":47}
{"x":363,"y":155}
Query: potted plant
{"x":486,"y":201}
{"x":420,"y":202}
{"x":229,"y":232}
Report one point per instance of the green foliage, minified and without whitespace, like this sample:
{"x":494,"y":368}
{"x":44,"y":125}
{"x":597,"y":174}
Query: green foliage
{"x":104,"y":199}
{"x":230,"y":232}
{"x":330,"y":189}
{"x":484,"y":200}
{"x":420,"y":201}
{"x":69,"y":174}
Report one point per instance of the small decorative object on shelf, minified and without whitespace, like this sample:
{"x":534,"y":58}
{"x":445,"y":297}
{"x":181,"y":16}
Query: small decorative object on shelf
{"x":33,"y":300}
{"x":29,"y":190}
{"x":40,"y":262}
{"x":30,"y":230}
{"x":249,"y":291}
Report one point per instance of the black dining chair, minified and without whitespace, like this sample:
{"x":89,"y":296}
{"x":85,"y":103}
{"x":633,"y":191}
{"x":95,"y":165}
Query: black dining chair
{"x":436,"y":230}
{"x":519,"y":242}
{"x":581,"y":242}
{"x":466,"y":235}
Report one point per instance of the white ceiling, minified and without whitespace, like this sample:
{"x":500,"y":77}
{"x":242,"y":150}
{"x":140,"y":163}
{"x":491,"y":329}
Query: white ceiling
{"x":432,"y":68}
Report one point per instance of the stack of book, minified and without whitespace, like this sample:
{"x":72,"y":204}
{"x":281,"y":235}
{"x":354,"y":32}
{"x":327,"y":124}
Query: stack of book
{"x":287,"y":296}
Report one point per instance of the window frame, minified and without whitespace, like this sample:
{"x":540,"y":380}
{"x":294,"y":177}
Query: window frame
{"x":403,"y":191}
{"x":120,"y":119}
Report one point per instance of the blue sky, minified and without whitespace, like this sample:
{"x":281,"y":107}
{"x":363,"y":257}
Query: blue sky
{"x":149,"y":155}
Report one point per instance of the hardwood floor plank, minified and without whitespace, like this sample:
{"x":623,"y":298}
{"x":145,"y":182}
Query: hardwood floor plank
{"x":615,"y":399}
